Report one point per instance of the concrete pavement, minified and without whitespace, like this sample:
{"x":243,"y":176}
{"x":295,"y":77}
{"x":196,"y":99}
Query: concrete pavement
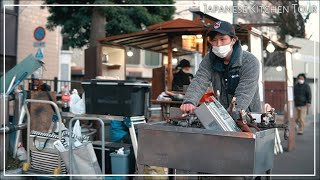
{"x":301,"y":160}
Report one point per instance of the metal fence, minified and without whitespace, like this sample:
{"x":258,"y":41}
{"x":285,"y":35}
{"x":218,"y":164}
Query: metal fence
{"x":56,"y":84}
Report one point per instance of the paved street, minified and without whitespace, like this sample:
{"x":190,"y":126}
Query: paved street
{"x":301,"y":160}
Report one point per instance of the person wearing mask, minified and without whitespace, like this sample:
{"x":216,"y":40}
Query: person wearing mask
{"x":183,"y":76}
{"x":302,"y":100}
{"x":232,"y":71}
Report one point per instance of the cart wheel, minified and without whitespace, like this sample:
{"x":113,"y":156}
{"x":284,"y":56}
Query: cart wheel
{"x":57,"y":170}
{"x":25,"y":166}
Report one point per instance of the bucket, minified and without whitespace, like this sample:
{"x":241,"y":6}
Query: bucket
{"x":120,"y":163}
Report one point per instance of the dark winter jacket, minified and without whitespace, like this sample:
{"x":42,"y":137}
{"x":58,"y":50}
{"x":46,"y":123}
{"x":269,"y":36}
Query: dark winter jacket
{"x":242,"y":76}
{"x":302,"y":94}
{"x":179,"y":79}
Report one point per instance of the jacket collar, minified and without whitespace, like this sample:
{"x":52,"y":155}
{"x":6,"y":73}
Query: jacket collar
{"x":236,"y":58}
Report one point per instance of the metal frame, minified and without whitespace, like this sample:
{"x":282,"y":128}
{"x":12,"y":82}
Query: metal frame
{"x":102,"y":143}
{"x":26,"y":167}
{"x":133,"y":135}
{"x":130,"y":123}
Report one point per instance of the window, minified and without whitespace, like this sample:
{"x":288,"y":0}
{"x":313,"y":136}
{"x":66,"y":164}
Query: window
{"x":152,"y":58}
{"x":65,"y":46}
{"x":65,"y":71}
{"x":135,"y":58}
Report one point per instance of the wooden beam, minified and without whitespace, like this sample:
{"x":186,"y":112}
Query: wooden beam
{"x":122,"y":36}
{"x":144,"y":39}
{"x":143,"y":33}
{"x":161,"y":48}
{"x":179,"y":31}
{"x":151,"y":41}
{"x":178,"y":53}
{"x":169,"y":67}
{"x":204,"y":45}
{"x":155,"y":45}
{"x":126,"y":39}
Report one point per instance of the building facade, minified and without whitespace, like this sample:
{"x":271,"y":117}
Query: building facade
{"x":29,"y":18}
{"x":21,"y":23}
{"x":10,"y":23}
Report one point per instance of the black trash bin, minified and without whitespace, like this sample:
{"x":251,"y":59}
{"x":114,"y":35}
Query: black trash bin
{"x":116,"y":97}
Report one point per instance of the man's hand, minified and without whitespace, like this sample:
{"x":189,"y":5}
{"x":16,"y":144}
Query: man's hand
{"x":187,"y":108}
{"x":308,"y":104}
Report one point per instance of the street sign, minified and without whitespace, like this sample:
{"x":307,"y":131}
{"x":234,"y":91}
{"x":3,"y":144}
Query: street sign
{"x":39,"y":44}
{"x":39,"y":54}
{"x":39,"y":33}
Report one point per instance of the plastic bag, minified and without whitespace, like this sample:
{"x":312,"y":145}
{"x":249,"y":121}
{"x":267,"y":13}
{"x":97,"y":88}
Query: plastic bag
{"x":59,"y":146}
{"x":21,"y":153}
{"x":120,"y":151}
{"x":77,"y":105}
{"x":117,"y":130}
{"x":63,"y":127}
{"x":77,"y":129}
{"x":78,"y":108}
{"x":84,"y":161}
{"x":74,"y":98}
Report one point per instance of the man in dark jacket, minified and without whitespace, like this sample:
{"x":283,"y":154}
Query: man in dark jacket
{"x":183,"y":76}
{"x":232,"y":71}
{"x":302,"y":100}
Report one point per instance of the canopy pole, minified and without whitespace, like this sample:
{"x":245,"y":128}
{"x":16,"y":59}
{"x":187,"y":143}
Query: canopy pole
{"x":204,"y":45}
{"x":169,"y":66}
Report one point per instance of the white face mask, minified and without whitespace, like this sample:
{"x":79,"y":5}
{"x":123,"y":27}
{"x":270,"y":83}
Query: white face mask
{"x":186,"y":71}
{"x":300,"y":81}
{"x":221,"y":51}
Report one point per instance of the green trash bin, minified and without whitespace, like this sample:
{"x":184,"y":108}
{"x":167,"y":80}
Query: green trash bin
{"x":120,"y":164}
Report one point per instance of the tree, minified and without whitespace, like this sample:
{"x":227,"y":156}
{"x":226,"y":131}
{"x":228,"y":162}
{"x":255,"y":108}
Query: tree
{"x":82,"y":25}
{"x":291,"y":22}
{"x":288,"y":23}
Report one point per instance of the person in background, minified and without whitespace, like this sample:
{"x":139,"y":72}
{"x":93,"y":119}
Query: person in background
{"x":302,"y":100}
{"x":183,"y":76}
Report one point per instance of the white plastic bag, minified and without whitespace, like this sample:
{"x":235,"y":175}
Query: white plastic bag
{"x":21,"y":153}
{"x":63,"y":127}
{"x":77,"y":129}
{"x":59,"y":146}
{"x":120,"y":151}
{"x":77,"y":105}
{"x":74,"y":98}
